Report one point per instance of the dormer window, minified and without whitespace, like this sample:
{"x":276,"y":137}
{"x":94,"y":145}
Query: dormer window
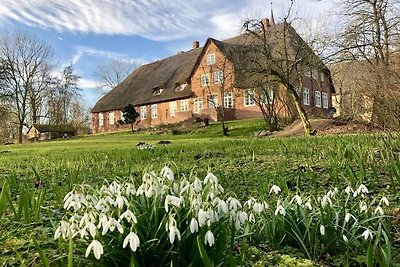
{"x":180,"y":87}
{"x":210,"y":59}
{"x":157,"y":91}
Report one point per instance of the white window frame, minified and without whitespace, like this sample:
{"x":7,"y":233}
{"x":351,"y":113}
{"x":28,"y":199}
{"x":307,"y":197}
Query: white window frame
{"x":306,"y":96}
{"x":249,"y":95}
{"x":318,"y":100}
{"x":218,"y":77}
{"x":154,"y":111}
{"x":111,"y":118}
{"x":184,"y":105}
{"x":143,"y":112}
{"x":181,"y":87}
{"x":172,"y":108}
{"x":325,"y":102}
{"x":322,"y":76}
{"x":315,"y":75}
{"x":204,"y":79}
{"x":228,"y":100}
{"x":101,"y":119}
{"x":197,"y":104}
{"x":212,"y":101}
{"x":210,"y":59}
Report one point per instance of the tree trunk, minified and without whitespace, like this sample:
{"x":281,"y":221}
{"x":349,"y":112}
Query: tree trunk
{"x":303,"y":117}
{"x":20,"y":128}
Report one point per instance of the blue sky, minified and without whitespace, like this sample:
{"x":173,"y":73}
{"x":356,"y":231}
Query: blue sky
{"x":87,"y":33}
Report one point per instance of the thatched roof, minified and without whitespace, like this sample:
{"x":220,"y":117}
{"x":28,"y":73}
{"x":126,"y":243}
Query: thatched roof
{"x":54,"y":128}
{"x":138,"y":88}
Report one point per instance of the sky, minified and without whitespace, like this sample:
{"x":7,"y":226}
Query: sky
{"x":87,"y":33}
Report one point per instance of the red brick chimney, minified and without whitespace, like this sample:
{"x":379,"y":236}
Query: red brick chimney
{"x":195,"y":44}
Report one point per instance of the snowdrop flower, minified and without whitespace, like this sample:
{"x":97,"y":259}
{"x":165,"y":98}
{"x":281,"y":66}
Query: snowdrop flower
{"x":347,"y":217}
{"x":349,"y":190}
{"x":97,"y":249}
{"x":298,"y":199}
{"x":280,"y":209}
{"x":166,"y":172}
{"x":120,"y":201}
{"x":194,"y":226}
{"x":211,"y":178}
{"x":133,"y":240}
{"x":362,"y":189}
{"x":92,"y":229}
{"x":258,"y":208}
{"x":385,"y":201}
{"x":111,"y":225}
{"x":202,"y":217}
{"x":367,"y":234}
{"x":345,"y":239}
{"x":209,"y":238}
{"x":130,"y":189}
{"x":150,"y":192}
{"x":322,"y":230}
{"x":363,"y":206}
{"x":175,"y":201}
{"x":308,"y":205}
{"x":325,"y":200}
{"x":173,"y":231}
{"x":275,"y":189}
{"x":242,"y":216}
{"x":378,"y":210}
{"x":129,"y":216}
{"x":233,"y":203}
{"x":197,"y":186}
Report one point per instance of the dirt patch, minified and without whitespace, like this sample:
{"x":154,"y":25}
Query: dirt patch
{"x":327,"y":127}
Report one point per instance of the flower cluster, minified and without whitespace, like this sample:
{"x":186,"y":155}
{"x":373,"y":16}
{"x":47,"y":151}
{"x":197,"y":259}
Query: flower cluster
{"x":145,"y":146}
{"x":120,"y":208}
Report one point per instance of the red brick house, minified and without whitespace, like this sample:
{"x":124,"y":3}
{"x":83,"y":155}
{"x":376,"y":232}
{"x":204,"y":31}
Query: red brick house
{"x":191,"y":84}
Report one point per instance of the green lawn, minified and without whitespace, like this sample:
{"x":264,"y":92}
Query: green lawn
{"x":245,"y":166}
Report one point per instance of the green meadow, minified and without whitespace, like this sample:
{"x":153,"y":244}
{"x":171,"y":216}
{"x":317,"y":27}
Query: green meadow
{"x":35,"y":177}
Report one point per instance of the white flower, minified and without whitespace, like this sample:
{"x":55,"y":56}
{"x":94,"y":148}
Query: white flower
{"x":298,"y":199}
{"x":120,"y":201}
{"x":363,"y":206}
{"x":325,"y":200}
{"x":379,"y":211}
{"x":111,"y":225}
{"x":130,"y":189}
{"x":280,"y":209}
{"x":258,"y":208}
{"x":233,"y":203}
{"x":347,"y":217}
{"x":363,"y":189}
{"x":194,"y":226}
{"x":92,"y":229}
{"x":197,"y":186}
{"x":129,"y":216}
{"x":166,"y":172}
{"x":202,"y":217}
{"x":322,"y":230}
{"x":97,"y":249}
{"x":308,"y":205}
{"x":348,"y":190}
{"x":133,"y":240}
{"x":210,"y":178}
{"x":275,"y":189}
{"x":385,"y":201}
{"x":176,"y":201}
{"x":242,"y":216}
{"x":173,"y":230}
{"x":209,"y":238}
{"x":367,"y":234}
{"x":345,"y":239}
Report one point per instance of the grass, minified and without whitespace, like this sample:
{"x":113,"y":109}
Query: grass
{"x":35,"y":177}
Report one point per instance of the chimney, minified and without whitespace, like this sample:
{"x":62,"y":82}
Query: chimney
{"x":195,"y":44}
{"x":265,"y":23}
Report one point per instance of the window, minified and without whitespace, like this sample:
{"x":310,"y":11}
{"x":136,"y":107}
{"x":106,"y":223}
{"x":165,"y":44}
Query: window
{"x":315,"y":74}
{"x":101,"y":119}
{"x":249,"y":95}
{"x":172,"y":108}
{"x":306,"y":96}
{"x":318,"y":99}
{"x":308,"y":72}
{"x":154,"y":111}
{"x":143,"y":112}
{"x":157,"y":91}
{"x":268,"y":97}
{"x":210,"y":59}
{"x":184,"y":105}
{"x":228,"y":100}
{"x":198,"y":104}
{"x":218,"y":77}
{"x":205,"y":79}
{"x":111,"y":118}
{"x":212,"y":101}
{"x":122,"y":118}
{"x":181,"y":87}
{"x":324,"y":100}
{"x":322,"y":77}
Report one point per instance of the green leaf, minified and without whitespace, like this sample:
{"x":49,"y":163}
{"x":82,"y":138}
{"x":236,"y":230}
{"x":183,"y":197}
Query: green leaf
{"x":42,"y":256}
{"x":206,"y":260}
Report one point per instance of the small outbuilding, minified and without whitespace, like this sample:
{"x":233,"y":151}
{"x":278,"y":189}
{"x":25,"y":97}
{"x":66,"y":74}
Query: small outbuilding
{"x":41,"y":132}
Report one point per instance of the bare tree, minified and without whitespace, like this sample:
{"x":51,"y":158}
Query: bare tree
{"x":111,"y":73}
{"x":24,"y":56}
{"x":283,"y":61}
